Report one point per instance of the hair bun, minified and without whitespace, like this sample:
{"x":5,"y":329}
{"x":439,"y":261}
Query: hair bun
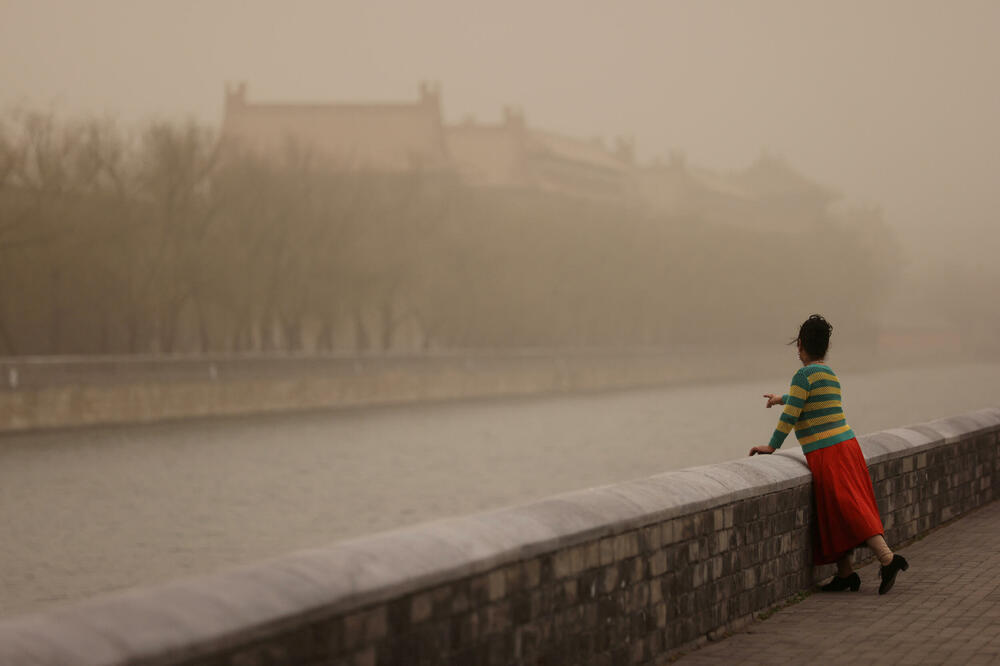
{"x":814,"y":334}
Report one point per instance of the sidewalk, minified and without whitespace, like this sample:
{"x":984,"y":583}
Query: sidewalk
{"x":944,"y":609}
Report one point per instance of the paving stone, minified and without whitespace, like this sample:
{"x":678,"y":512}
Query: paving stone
{"x":944,"y":609}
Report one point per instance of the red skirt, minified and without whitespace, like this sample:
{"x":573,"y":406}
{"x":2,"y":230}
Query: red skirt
{"x":846,"y":513}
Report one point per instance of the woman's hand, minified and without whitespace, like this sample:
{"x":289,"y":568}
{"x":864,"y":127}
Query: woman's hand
{"x":773,"y":400}
{"x":762,"y":449}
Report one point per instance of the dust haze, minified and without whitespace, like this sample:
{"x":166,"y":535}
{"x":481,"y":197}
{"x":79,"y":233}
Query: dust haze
{"x":392,"y":188}
{"x":235,"y":176}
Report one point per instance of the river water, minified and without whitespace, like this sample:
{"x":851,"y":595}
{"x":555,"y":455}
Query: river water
{"x":94,"y":510}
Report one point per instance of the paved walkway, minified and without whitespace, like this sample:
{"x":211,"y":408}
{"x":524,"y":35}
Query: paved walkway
{"x":944,"y":610}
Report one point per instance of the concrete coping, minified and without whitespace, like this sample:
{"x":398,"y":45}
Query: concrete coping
{"x":192,"y":616}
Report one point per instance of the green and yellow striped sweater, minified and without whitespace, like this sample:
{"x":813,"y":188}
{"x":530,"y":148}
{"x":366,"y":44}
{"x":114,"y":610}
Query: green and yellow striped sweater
{"x":813,"y":408}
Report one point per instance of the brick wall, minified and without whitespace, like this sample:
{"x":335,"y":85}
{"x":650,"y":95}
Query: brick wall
{"x":617,"y":574}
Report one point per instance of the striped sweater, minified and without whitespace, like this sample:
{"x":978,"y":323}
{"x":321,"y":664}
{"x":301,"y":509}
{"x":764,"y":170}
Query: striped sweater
{"x":812,"y":407}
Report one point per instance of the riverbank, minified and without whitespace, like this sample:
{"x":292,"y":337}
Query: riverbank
{"x":640,"y":568}
{"x":41,"y":393}
{"x":104,"y":508}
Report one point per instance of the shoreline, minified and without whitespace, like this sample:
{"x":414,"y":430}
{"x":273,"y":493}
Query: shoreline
{"x":62,"y":393}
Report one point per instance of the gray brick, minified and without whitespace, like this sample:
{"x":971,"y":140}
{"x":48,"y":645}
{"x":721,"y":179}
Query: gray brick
{"x":924,"y":598}
{"x":421,"y":607}
{"x":531,"y":573}
{"x":657,"y":563}
{"x":626,"y":545}
{"x":607,"y":549}
{"x":497,"y":584}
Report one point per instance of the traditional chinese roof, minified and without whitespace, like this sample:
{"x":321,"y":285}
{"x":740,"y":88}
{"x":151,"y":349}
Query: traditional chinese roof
{"x":381,"y":136}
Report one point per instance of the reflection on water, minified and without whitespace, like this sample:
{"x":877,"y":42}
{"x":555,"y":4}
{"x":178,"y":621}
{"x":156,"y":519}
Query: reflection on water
{"x":94,"y":510}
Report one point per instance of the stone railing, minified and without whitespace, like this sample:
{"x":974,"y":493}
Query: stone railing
{"x":624,"y":573}
{"x":80,"y":391}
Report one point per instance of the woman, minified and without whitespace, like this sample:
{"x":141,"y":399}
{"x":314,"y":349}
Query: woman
{"x":847,"y":515}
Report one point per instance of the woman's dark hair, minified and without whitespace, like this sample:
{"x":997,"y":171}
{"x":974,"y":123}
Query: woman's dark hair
{"x":814,"y":333}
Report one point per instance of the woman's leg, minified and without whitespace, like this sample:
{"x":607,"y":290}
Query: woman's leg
{"x":891,"y":564}
{"x":845,"y":579}
{"x":881,"y":548}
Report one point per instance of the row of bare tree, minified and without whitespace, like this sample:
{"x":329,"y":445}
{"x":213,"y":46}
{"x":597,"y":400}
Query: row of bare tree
{"x":165,"y":240}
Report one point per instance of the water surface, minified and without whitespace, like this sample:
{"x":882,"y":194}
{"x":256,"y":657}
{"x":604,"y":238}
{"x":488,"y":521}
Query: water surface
{"x":87,"y":511}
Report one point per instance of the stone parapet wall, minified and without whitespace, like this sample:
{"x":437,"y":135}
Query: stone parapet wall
{"x":625,"y":573}
{"x":69,"y":392}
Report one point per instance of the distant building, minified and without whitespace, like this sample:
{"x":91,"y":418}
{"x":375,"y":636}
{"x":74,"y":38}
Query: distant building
{"x":510,"y":154}
{"x":407,"y":136}
{"x":411,"y":136}
{"x":386,"y":137}
{"x":767,"y":195}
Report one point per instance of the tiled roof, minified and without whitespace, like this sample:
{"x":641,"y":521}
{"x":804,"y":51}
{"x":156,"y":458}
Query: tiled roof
{"x":578,"y":150}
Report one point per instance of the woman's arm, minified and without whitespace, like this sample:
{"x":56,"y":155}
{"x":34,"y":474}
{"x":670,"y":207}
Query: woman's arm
{"x":794,"y":400}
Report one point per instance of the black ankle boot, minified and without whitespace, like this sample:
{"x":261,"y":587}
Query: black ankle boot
{"x":889,"y":571}
{"x":838,"y":584}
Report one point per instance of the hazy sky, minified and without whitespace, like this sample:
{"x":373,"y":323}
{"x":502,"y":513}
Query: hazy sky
{"x":891,"y":102}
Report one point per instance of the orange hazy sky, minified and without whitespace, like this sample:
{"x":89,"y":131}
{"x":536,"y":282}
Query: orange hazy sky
{"x":894,"y":103}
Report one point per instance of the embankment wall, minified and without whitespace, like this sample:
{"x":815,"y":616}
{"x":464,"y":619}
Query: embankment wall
{"x":625,"y":573}
{"x":64,"y":392}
